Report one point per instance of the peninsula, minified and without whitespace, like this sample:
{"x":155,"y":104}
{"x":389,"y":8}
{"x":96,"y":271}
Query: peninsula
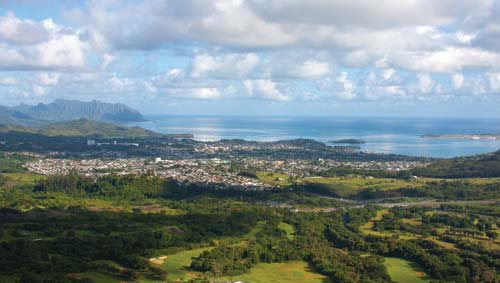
{"x":463,"y":137}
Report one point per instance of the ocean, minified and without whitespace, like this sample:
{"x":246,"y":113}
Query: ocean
{"x":383,"y":135}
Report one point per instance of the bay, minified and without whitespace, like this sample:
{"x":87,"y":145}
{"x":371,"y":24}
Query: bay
{"x":383,"y":135}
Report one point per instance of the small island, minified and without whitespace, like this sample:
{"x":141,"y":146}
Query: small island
{"x":349,"y":141}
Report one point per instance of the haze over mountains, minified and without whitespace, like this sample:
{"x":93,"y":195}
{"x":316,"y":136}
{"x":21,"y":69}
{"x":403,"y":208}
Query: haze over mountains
{"x":74,"y":118}
{"x":66,"y":110}
{"x":87,"y":128}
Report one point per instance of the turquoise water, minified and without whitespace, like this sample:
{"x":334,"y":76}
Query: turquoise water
{"x":387,"y":135}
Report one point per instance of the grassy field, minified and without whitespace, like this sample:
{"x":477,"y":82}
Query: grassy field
{"x":243,"y":240}
{"x":274,"y":178}
{"x":403,"y":271}
{"x":350,"y":185}
{"x":176,"y":264}
{"x":23,"y":178}
{"x":367,"y":227}
{"x":358,"y":182}
{"x":289,"y":272}
{"x":347,"y":186}
{"x":367,"y":230}
{"x":443,"y":244}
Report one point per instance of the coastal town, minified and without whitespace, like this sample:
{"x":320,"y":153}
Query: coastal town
{"x":213,"y":172}
{"x":215,"y":164}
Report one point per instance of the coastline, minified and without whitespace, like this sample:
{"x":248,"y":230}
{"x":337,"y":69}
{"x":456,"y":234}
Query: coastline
{"x":463,"y":137}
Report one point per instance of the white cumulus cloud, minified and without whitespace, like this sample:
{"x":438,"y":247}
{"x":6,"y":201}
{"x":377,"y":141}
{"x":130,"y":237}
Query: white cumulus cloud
{"x":47,"y":79}
{"x":25,"y":44}
{"x":425,"y":83}
{"x":266,"y":89}
{"x":494,"y":81}
{"x":226,"y":66}
{"x":458,"y":80}
{"x":18,"y":31}
{"x":38,"y":90}
{"x":347,"y":90}
{"x":312,"y":69}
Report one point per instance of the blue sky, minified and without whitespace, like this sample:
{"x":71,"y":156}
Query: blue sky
{"x":256,"y":57}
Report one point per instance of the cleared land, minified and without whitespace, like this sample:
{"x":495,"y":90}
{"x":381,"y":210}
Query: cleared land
{"x":288,"y":272}
{"x":177,"y":264}
{"x":403,"y":271}
{"x":276,"y":179}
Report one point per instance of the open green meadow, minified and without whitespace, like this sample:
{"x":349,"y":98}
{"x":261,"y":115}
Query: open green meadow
{"x":358,"y":182}
{"x":343,"y":186}
{"x":403,"y":271}
{"x":274,"y":178}
{"x":288,"y":272}
{"x":177,"y":264}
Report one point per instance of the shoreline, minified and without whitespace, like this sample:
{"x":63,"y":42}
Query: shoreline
{"x":463,"y":137}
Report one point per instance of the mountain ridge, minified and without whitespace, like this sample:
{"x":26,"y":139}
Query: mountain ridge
{"x":66,"y":110}
{"x":88,"y":128}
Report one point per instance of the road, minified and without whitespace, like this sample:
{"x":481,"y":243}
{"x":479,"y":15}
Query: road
{"x":428,"y":203}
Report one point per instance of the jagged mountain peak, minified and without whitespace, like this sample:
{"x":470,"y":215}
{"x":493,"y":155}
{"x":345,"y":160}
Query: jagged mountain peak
{"x":66,"y":109}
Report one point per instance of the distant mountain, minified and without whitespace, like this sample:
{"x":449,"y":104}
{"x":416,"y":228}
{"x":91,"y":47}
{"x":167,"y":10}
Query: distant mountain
{"x":483,"y":165}
{"x":9,"y":116}
{"x":76,"y":118}
{"x":64,"y":110}
{"x":88,"y":128}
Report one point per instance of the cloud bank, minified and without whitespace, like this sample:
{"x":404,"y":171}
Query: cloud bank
{"x":317,"y":51}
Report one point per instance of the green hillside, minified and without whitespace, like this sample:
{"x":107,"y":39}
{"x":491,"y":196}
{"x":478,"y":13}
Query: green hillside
{"x":483,"y":166}
{"x":83,"y":127}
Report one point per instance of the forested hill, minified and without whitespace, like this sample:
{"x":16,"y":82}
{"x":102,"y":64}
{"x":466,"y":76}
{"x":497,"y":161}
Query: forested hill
{"x":478,"y":166}
{"x":83,"y":127}
{"x":65,"y":110}
{"x":9,"y":116}
{"x":484,"y":165}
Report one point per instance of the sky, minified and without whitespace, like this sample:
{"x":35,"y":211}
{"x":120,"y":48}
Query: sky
{"x":422,"y":58}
